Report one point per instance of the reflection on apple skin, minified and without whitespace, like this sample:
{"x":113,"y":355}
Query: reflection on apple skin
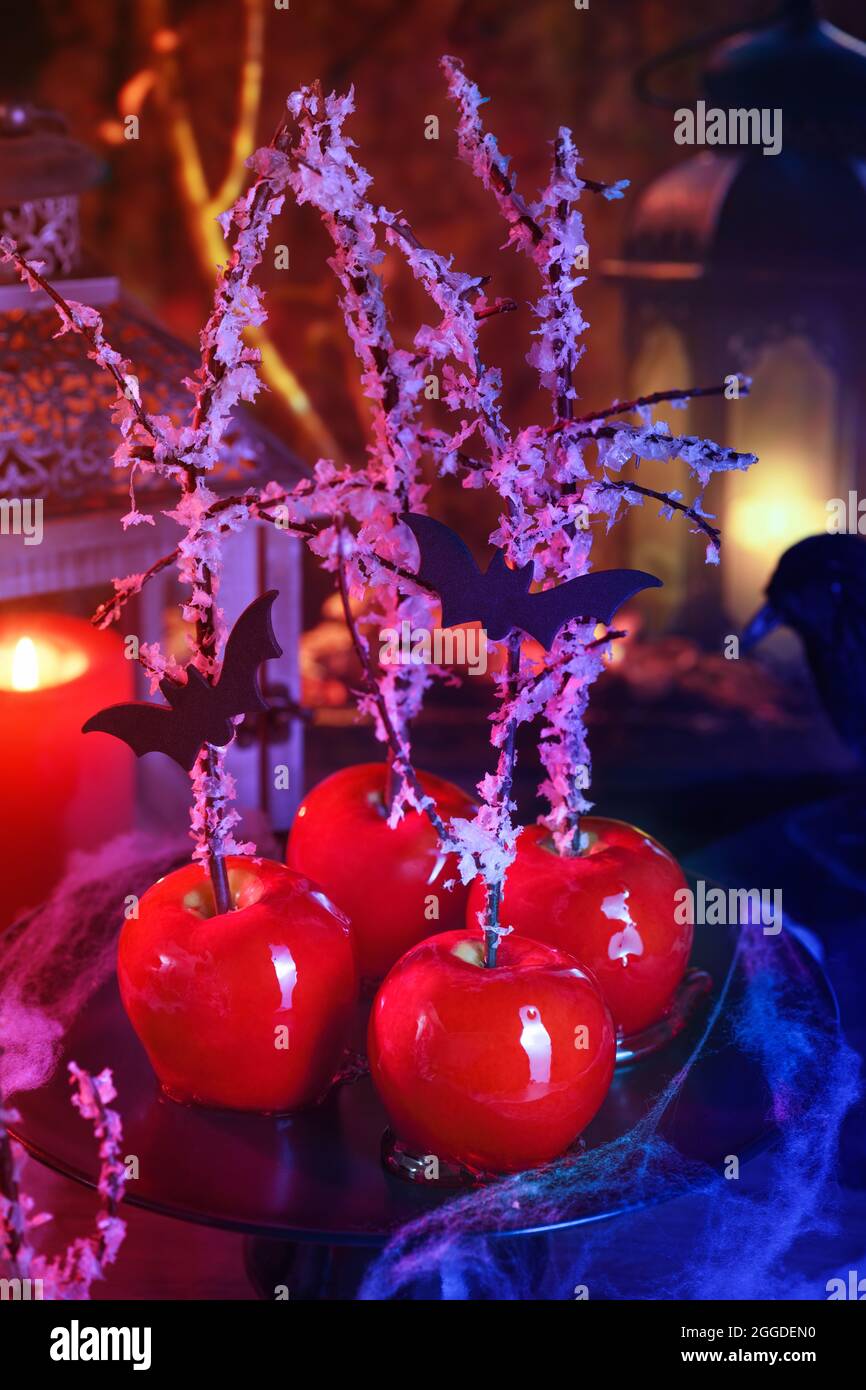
{"x":496,"y":1069}
{"x":248,"y":1010}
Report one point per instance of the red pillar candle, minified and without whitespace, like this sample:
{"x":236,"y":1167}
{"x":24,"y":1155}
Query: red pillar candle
{"x":60,"y":790}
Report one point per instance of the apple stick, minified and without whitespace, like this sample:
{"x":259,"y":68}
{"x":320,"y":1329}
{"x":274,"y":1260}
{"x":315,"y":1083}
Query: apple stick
{"x":680,"y":396}
{"x":14,"y":1247}
{"x":505,"y":772}
{"x":398,"y":751}
{"x":227,"y":374}
{"x":69,"y":1274}
{"x":550,"y":466}
{"x":325,"y":173}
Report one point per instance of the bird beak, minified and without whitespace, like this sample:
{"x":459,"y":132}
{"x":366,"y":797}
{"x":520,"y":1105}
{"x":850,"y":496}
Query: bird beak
{"x":764,"y":622}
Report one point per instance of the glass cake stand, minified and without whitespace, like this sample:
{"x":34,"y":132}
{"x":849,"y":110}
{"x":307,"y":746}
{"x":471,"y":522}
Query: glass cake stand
{"x":310,"y":1190}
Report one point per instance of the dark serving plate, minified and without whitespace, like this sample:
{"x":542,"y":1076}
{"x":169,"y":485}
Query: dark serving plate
{"x":318,"y":1176}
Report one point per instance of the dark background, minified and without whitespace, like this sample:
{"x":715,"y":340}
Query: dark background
{"x":542,"y":65}
{"x":711,"y":756}
{"x":676,"y":727}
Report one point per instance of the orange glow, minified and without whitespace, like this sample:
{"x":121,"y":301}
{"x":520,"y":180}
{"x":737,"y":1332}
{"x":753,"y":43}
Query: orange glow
{"x":204,"y":204}
{"x":767,"y":523}
{"x":133,"y":93}
{"x":165,"y":41}
{"x":111,"y":132}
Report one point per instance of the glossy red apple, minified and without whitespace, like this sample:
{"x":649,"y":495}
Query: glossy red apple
{"x":495,"y":1069}
{"x":388,"y":882}
{"x":250,"y":1009}
{"x":612,"y":907}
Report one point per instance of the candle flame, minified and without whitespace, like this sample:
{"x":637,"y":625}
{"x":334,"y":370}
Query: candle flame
{"x":40,"y":662}
{"x":25,"y":665}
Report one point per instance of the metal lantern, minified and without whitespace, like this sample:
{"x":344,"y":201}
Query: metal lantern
{"x":741,"y":261}
{"x":56,"y":445}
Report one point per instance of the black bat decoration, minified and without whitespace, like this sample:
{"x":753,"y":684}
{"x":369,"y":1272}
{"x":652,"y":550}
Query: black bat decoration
{"x":499,"y":597}
{"x":197,"y":712}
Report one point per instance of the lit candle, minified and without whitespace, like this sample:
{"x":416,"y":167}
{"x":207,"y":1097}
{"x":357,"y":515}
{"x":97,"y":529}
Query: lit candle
{"x":59,"y":790}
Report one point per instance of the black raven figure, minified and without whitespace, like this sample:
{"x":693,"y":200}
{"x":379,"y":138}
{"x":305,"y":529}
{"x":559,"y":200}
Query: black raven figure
{"x":819,"y":590}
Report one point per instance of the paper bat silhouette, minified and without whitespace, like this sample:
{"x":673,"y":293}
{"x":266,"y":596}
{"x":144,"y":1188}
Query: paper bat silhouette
{"x":197,"y":712}
{"x":499,"y":597}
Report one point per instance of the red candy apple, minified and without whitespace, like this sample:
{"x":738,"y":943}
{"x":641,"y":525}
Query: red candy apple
{"x":251,"y":1009}
{"x":382,"y":879}
{"x":495,"y":1069}
{"x":612,"y":907}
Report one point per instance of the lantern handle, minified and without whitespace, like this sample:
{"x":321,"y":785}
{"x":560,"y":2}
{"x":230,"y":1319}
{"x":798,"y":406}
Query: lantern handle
{"x":795,"y":11}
